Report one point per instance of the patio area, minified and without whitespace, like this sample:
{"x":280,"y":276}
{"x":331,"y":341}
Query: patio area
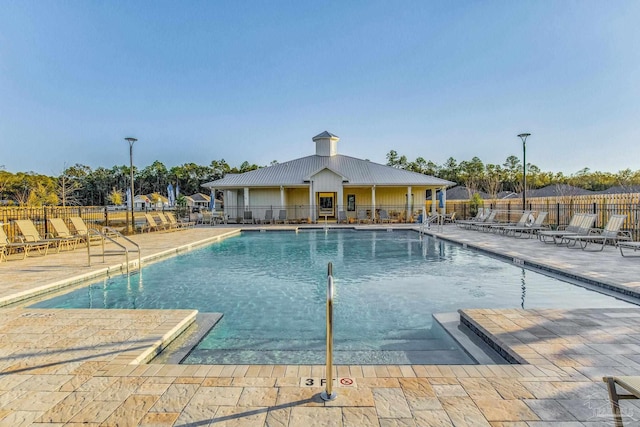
{"x":68,"y":367}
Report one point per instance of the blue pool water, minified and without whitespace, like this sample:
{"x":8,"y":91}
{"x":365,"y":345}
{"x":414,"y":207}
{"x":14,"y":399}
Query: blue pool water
{"x":271,"y":288}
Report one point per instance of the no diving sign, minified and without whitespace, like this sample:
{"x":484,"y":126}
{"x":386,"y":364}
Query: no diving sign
{"x":322,"y":382}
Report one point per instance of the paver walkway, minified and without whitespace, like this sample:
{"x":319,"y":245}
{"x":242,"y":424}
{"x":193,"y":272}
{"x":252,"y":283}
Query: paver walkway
{"x":86,"y":367}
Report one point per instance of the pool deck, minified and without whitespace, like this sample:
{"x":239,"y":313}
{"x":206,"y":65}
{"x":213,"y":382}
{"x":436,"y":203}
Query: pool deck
{"x":73,"y":367}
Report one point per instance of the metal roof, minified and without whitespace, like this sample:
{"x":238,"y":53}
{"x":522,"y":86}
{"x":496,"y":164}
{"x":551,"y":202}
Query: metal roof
{"x":354,"y":171}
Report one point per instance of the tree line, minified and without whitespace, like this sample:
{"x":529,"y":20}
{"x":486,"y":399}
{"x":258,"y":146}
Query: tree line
{"x":81,"y":185}
{"x":495,"y":178}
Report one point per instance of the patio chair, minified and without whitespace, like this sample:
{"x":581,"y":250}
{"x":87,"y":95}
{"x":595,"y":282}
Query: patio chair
{"x":179,"y":224}
{"x":525,"y":218}
{"x":362,"y":217}
{"x":29,"y":233}
{"x":342,"y":217}
{"x":82,"y":230}
{"x":480,"y":215}
{"x":486,"y":223}
{"x":166,"y":224}
{"x":151,"y":224}
{"x":384,"y":216}
{"x":61,"y":230}
{"x":282,"y":217}
{"x":628,"y":245}
{"x":573,"y":228}
{"x":268,"y":217}
{"x":611,"y":233}
{"x":528,"y":229}
{"x":247,"y":217}
{"x":23,"y":248}
{"x":629,"y":384}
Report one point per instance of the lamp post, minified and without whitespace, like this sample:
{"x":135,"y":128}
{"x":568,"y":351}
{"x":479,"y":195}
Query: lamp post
{"x":131,"y":141}
{"x":523,"y":137}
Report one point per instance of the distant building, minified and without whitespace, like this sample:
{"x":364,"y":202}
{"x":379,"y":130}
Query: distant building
{"x":326,"y":183}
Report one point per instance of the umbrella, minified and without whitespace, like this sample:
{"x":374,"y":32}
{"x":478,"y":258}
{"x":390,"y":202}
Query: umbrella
{"x":212,"y":202}
{"x":177,"y":190}
{"x":171,"y":195}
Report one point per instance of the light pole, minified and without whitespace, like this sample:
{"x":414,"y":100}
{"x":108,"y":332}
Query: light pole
{"x":523,"y":137}
{"x":131,"y":141}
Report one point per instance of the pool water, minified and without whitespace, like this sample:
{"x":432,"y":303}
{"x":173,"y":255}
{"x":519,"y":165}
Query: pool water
{"x":271,"y":288}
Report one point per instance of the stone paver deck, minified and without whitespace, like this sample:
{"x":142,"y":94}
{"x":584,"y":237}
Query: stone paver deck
{"x":87,"y":367}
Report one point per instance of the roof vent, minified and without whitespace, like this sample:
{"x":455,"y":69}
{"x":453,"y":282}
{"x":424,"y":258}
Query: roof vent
{"x":326,"y":144}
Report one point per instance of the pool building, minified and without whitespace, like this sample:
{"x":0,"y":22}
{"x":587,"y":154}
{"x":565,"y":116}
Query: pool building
{"x":331,"y":186}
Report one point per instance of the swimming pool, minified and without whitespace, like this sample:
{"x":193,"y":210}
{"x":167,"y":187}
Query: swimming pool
{"x":271,"y":288}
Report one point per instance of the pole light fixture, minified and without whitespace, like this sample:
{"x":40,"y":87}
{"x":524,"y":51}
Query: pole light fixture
{"x":523,"y":137}
{"x":131,"y":141}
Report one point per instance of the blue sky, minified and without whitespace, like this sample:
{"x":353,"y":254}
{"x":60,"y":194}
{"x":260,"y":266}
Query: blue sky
{"x":198,"y":81}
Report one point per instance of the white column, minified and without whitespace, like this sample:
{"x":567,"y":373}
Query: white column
{"x":373,"y":204}
{"x":282,"y":197}
{"x":434,"y":201}
{"x":409,"y":204}
{"x":311,"y":210}
{"x":246,"y":198}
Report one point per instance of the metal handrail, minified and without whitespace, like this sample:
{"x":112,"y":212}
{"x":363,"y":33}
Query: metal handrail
{"x":329,"y":394}
{"x":105,"y":234}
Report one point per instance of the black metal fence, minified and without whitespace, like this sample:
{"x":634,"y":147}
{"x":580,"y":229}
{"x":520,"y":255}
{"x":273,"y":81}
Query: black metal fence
{"x":559,"y":214}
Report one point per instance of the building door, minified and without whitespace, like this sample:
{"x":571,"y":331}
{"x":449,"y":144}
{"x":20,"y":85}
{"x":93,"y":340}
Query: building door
{"x":326,"y":205}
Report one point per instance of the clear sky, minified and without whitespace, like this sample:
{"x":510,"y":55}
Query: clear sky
{"x":242,"y":80}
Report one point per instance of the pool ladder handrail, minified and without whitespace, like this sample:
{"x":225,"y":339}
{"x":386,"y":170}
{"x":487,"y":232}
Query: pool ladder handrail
{"x":106,"y":234}
{"x":329,"y":394}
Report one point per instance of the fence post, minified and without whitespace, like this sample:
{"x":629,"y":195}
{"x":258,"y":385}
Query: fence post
{"x":558,"y":215}
{"x":46,"y":223}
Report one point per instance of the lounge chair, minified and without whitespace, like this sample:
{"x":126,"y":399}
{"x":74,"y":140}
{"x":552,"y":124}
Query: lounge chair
{"x":282,"y":217}
{"x":151,"y":224}
{"x":247,"y":217}
{"x":166,"y":224}
{"x":628,"y":245}
{"x":268,"y":217}
{"x":611,"y":233}
{"x":82,"y":230}
{"x":29,"y":233}
{"x":362,"y":216}
{"x":383,"y":215}
{"x":486,"y":222}
{"x":61,"y":230}
{"x":178,"y":224}
{"x":342,"y":217}
{"x":528,"y":229}
{"x":480,"y":216}
{"x":573,"y":228}
{"x":629,"y":384}
{"x":23,"y":248}
{"x":500,"y":227}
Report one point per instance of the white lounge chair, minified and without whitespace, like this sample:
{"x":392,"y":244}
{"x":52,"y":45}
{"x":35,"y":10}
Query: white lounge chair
{"x":628,"y":245}
{"x":610,"y":234}
{"x":631,"y":384}
{"x":573,"y":228}
{"x":528,"y":229}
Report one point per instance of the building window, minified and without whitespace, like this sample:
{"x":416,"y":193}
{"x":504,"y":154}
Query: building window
{"x":351,"y":202}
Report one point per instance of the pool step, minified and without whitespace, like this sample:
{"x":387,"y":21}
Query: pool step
{"x":308,"y":357}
